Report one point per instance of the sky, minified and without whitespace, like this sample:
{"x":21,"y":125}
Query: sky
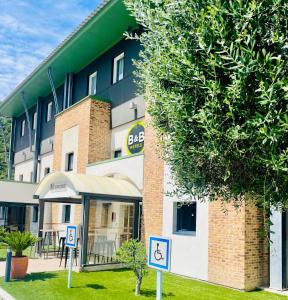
{"x":30,"y":30}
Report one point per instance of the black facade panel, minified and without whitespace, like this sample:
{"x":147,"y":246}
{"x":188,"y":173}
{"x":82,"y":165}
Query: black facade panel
{"x":119,"y":92}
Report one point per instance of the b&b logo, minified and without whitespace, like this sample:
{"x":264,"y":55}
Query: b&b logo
{"x":135,"y":138}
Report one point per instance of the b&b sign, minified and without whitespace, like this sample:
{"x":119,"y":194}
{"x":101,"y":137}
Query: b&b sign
{"x":135,"y":138}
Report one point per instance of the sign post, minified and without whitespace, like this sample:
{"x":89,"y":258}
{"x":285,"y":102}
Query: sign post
{"x":71,"y":242}
{"x":159,"y":259}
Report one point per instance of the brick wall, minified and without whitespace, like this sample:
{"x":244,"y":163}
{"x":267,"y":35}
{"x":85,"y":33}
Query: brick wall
{"x":94,"y":140}
{"x":238,"y":255}
{"x":153,"y":184}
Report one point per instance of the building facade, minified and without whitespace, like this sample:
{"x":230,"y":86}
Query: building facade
{"x":80,"y":112}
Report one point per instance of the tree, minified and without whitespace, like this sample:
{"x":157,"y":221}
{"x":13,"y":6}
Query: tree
{"x":132,"y":253}
{"x":4,"y":146}
{"x":215,"y":75}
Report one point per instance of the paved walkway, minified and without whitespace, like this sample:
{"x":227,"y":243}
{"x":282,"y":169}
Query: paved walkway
{"x":40,"y":265}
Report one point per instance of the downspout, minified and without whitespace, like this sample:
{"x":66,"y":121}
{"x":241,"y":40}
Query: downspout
{"x":49,"y":72}
{"x":37,"y":139}
{"x":11,"y":149}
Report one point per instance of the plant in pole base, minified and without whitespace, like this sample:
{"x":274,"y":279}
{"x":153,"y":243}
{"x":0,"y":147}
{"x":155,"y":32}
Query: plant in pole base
{"x":20,"y":241}
{"x":133,"y":254}
{"x":216,"y":76}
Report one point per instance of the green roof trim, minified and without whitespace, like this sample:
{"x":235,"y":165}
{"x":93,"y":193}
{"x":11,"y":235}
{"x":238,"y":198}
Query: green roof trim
{"x":95,"y":35}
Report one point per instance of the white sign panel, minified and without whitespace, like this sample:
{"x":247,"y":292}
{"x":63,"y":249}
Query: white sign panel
{"x":159,"y":253}
{"x":71,"y":236}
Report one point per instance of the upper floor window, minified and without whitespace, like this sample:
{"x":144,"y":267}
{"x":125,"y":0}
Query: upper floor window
{"x":49,"y":112}
{"x":185,"y":218}
{"x":23,"y":125}
{"x":118,"y":68}
{"x":21,"y":177}
{"x":69,"y":162}
{"x":93,"y":84}
{"x":34,"y":121}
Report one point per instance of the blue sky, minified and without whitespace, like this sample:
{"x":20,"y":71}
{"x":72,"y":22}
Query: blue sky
{"x":30,"y":30}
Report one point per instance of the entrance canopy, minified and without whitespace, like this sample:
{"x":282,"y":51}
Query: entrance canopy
{"x":17,"y":193}
{"x":67,"y":185}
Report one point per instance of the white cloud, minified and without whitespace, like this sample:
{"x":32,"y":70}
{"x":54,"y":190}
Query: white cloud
{"x":30,"y":30}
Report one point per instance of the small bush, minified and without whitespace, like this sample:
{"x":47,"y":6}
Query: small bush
{"x":132,"y":253}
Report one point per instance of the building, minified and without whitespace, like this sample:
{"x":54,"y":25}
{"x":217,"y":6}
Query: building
{"x":78,"y":131}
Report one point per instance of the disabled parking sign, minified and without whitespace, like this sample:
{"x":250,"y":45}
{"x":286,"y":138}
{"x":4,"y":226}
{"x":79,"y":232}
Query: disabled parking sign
{"x":71,"y":236}
{"x":159,"y":253}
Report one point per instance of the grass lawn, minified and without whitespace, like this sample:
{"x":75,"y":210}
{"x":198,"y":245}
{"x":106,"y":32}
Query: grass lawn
{"x":119,"y":284}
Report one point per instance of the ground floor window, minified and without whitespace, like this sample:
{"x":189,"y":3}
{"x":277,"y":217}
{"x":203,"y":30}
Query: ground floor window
{"x":66,"y":216}
{"x":185,"y":217}
{"x":35,"y":212}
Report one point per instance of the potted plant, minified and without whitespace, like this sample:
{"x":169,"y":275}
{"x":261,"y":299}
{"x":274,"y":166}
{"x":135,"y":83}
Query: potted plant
{"x":19,"y":241}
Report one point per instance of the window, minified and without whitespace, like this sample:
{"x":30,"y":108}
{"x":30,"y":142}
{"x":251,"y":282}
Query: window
{"x":35,"y":213}
{"x":117,"y":153}
{"x":34,"y":121}
{"x":46,"y":171}
{"x":93,"y":84}
{"x":31,"y":176}
{"x":3,"y":212}
{"x":21,"y":177}
{"x":185,"y":221}
{"x":118,"y":68}
{"x":70,"y":161}
{"x":66,"y":213}
{"x":23,"y":125}
{"x":49,"y":111}
{"x":104,"y":214}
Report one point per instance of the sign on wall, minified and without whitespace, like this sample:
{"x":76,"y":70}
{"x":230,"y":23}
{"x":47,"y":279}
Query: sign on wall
{"x":135,"y":138}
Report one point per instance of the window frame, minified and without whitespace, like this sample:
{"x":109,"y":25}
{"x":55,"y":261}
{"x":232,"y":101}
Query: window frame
{"x":116,"y":152}
{"x":116,"y":74}
{"x":91,"y":76}
{"x":175,"y":219}
{"x":49,"y":111}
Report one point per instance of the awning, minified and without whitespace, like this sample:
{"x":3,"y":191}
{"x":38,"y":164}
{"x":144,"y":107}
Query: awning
{"x":17,"y":192}
{"x":67,"y":185}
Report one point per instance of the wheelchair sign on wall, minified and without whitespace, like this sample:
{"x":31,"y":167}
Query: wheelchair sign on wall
{"x":159,"y":259}
{"x":71,"y":242}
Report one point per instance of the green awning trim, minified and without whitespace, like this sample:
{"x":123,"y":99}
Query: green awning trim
{"x":98,"y":32}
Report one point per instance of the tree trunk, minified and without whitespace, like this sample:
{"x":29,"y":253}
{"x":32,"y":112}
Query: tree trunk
{"x":138,"y":286}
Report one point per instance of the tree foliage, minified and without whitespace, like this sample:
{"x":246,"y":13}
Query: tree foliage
{"x":132,"y":253}
{"x":216,"y":72}
{"x":4,"y":146}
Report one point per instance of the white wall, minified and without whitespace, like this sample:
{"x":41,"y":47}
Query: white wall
{"x":189,"y":253}
{"x":46,"y":162}
{"x":24,"y":169}
{"x":131,"y":167}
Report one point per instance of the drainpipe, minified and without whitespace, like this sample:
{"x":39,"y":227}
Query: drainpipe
{"x":11,"y":149}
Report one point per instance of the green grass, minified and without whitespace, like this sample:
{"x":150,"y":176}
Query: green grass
{"x":119,"y":284}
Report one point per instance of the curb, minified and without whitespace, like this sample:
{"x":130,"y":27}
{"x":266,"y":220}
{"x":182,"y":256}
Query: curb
{"x":5,"y":296}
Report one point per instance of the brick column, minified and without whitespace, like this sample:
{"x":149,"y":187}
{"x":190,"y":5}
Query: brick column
{"x":153,"y":184}
{"x":238,"y":255}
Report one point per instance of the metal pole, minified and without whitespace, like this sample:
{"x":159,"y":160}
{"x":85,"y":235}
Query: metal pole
{"x":70,"y":267}
{"x":159,"y":286}
{"x":8,"y":264}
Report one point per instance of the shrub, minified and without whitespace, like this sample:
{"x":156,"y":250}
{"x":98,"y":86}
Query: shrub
{"x":20,"y":241}
{"x":132,"y":253}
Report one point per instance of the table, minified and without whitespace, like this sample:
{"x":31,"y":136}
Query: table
{"x":49,"y":235}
